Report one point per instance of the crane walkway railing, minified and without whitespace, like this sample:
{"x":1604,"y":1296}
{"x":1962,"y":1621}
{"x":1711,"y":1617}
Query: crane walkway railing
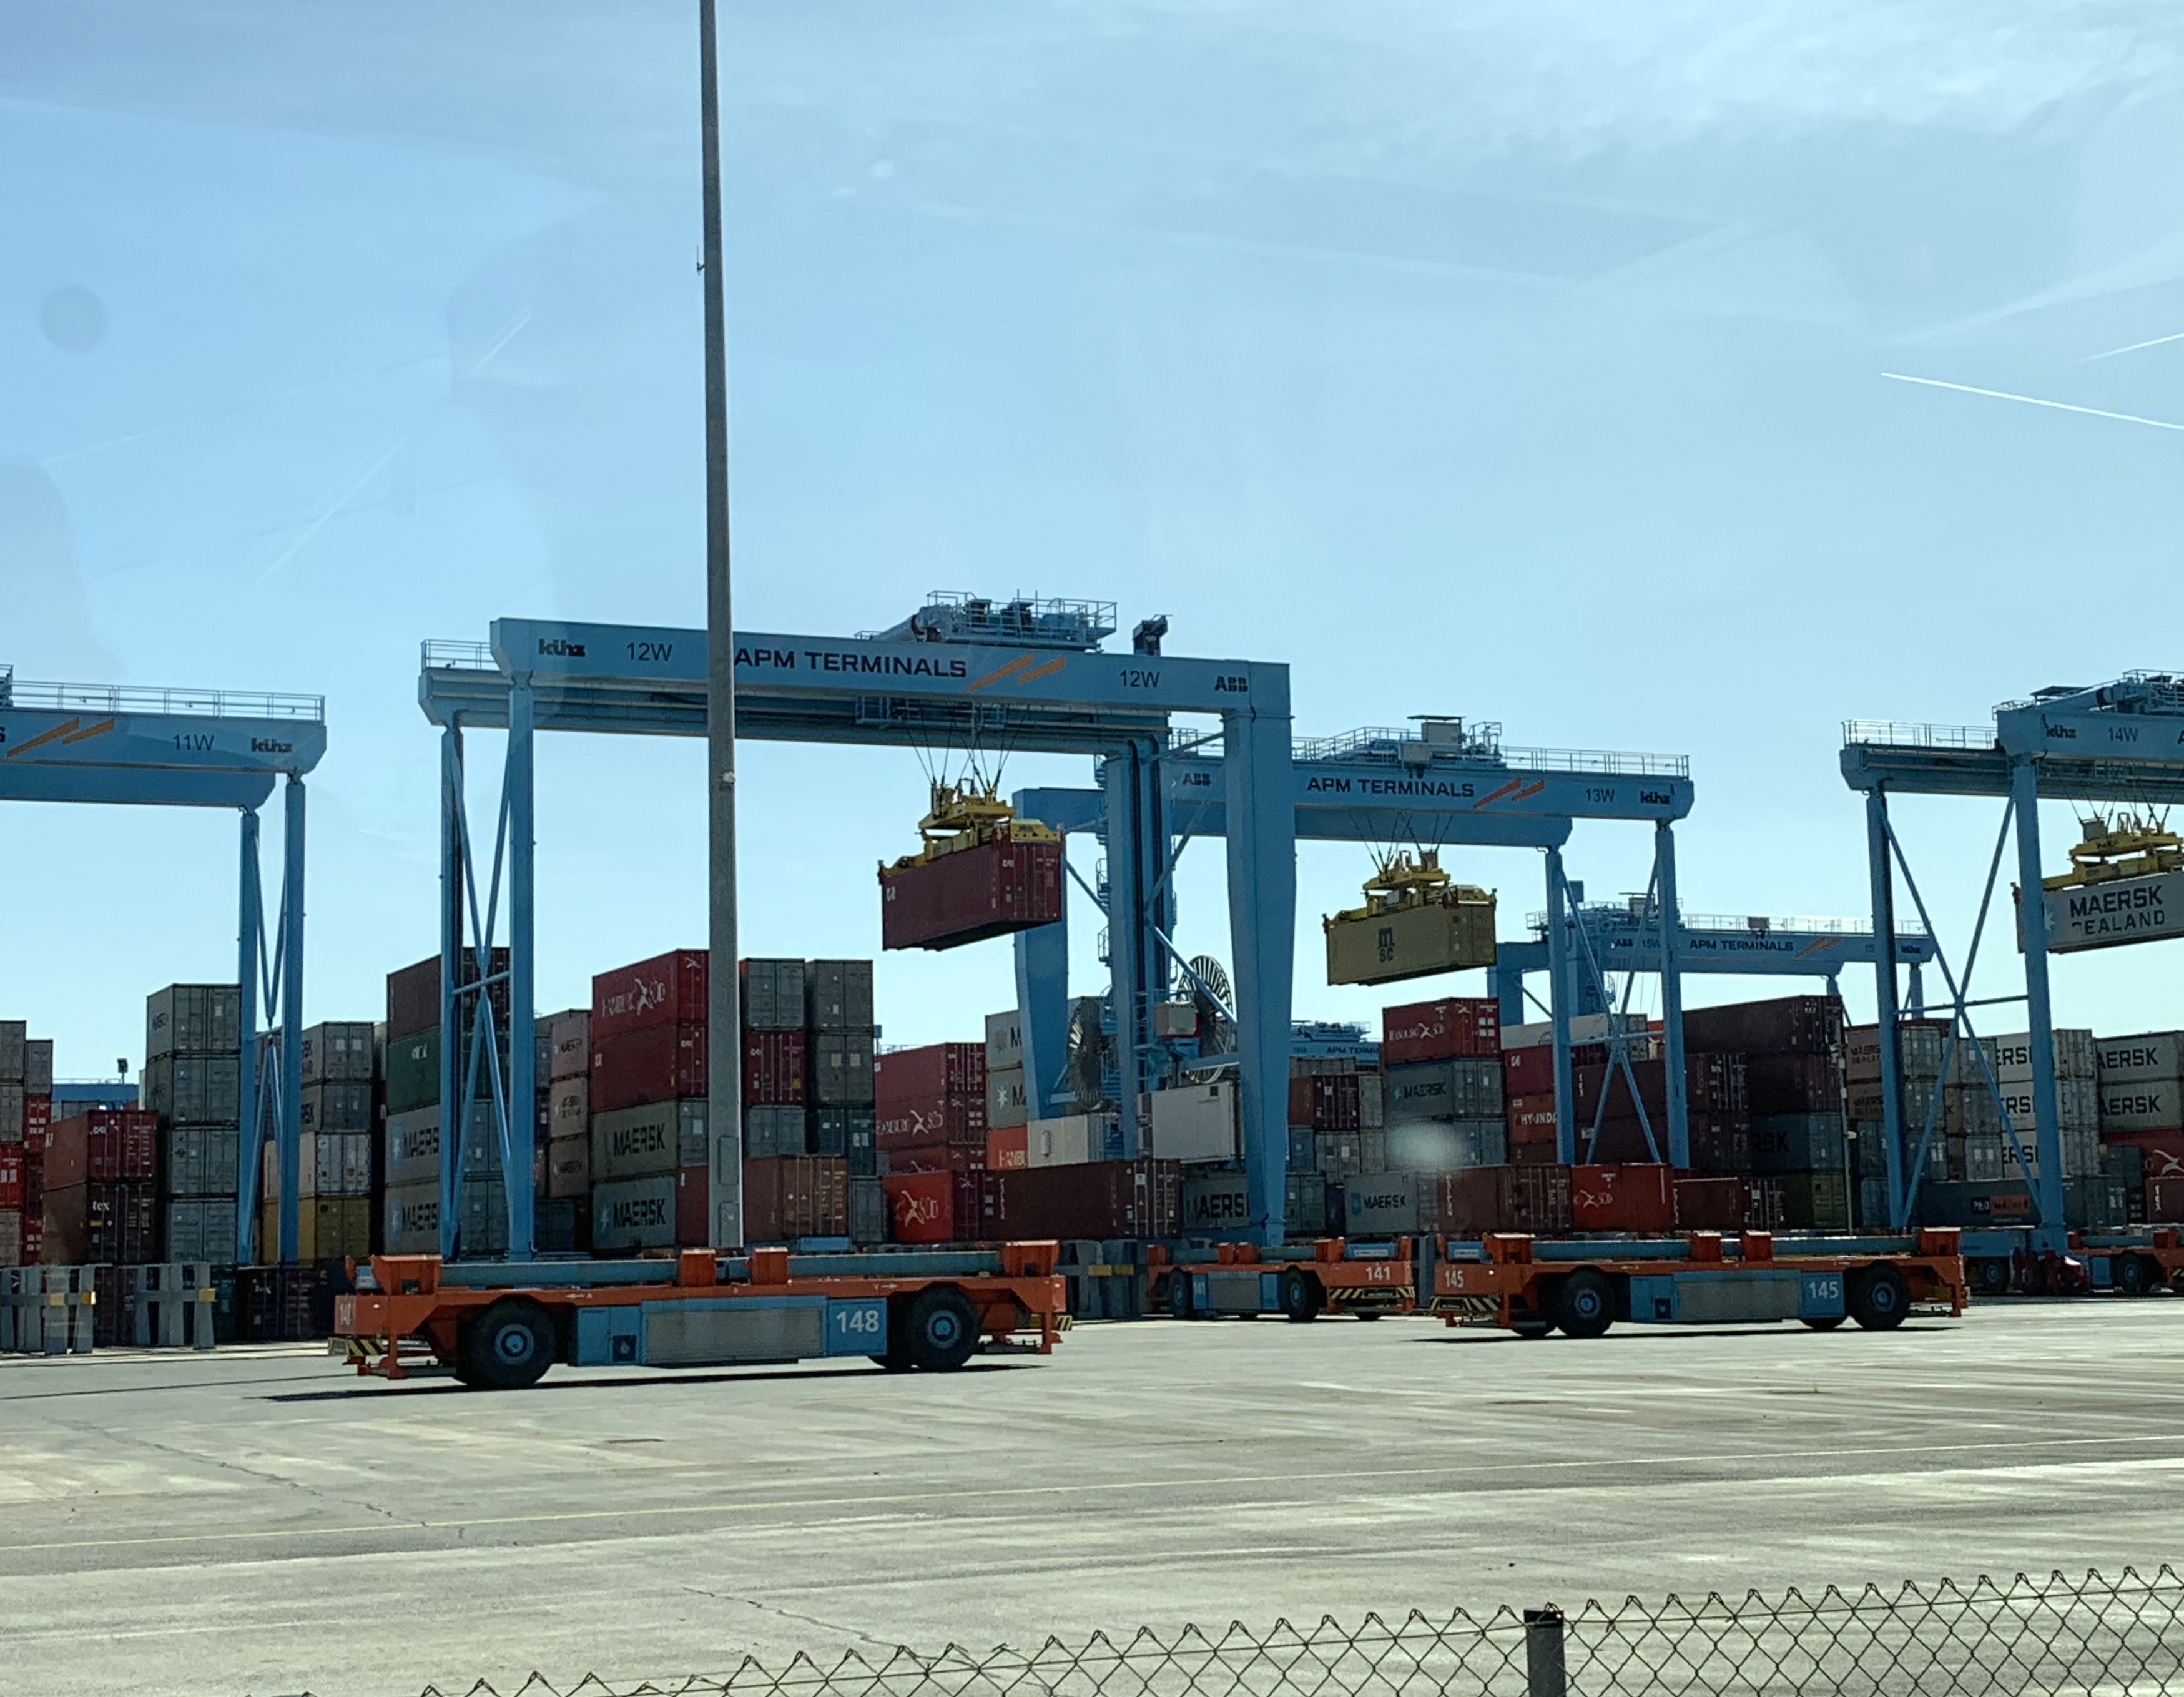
{"x":130,"y":698}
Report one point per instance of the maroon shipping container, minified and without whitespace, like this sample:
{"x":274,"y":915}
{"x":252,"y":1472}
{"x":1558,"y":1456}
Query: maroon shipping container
{"x":936,"y":1094}
{"x":1475,"y":1200}
{"x":786,"y":1197}
{"x":1531,"y":1071}
{"x":773,"y":1069}
{"x":413,"y":993}
{"x":1452,"y":1026}
{"x":667,"y":990}
{"x":122,"y":1221}
{"x":1101,"y":1199}
{"x":1788,"y":1024}
{"x":939,"y":1157}
{"x":1629,"y":1198}
{"x":987,"y":891}
{"x":657,"y":1064}
{"x":1793,"y":1084}
{"x":1710,"y":1205}
{"x":1326,"y":1102}
{"x":1530,"y":1112}
{"x":106,"y":1145}
{"x":2165,"y":1200}
{"x":1712,"y":1084}
{"x":1719,"y":1143}
{"x":1763,"y":1205}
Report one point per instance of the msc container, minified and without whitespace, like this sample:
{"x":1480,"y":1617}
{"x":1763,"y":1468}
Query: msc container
{"x":1006,"y":1106}
{"x":1107,"y":1199}
{"x":202,"y":1228}
{"x":1531,"y":1199}
{"x":848,"y":1133}
{"x":413,"y":993}
{"x":37,"y":1066}
{"x":196,"y":1089}
{"x":1459,"y":1089}
{"x":1787,"y":1025}
{"x":343,"y":1106}
{"x":1440,"y":1031}
{"x":1631,"y":1198}
{"x":337,"y":1050}
{"x":656,"y":1063}
{"x":868,"y":1209}
{"x":773,"y":995}
{"x":1067,"y":1140}
{"x":796,"y":1196}
{"x":840,"y":1065}
{"x":987,"y":890}
{"x":1797,"y":1142}
{"x":569,"y":1046}
{"x":933,"y":1094}
{"x":770,"y":1131}
{"x":191,"y":1018}
{"x":1187,"y":1122}
{"x":837,"y":995}
{"x":13,"y":1037}
{"x":1216,"y":1205}
{"x":667,"y":990}
{"x":634,"y":1213}
{"x":1381,"y":1204}
{"x":1004,"y":1041}
{"x":658,"y":1137}
{"x":568,"y":1166}
{"x":1432,"y":1145}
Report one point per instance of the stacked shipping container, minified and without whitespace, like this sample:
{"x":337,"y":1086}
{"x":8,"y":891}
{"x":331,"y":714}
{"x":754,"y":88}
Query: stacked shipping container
{"x":651,"y":1144}
{"x":192,"y":1037}
{"x":410,"y":1154}
{"x":26,"y":1087}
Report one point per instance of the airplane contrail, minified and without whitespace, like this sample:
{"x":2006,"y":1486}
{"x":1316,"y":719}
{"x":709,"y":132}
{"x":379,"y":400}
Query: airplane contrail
{"x":2030,"y":400}
{"x":2133,"y":348}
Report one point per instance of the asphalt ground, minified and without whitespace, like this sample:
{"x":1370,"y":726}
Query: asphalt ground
{"x":258,"y":1521}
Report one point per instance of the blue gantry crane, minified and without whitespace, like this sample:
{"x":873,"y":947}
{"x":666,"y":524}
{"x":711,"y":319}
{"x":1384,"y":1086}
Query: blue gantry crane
{"x":123,"y":744}
{"x":1443,"y":781}
{"x":2120,"y":744}
{"x":962,"y":672}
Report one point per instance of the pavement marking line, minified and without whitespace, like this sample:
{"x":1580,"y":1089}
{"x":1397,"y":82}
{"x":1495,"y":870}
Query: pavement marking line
{"x":727,"y":1508}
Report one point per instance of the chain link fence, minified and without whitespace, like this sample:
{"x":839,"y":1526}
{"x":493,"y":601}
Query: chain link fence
{"x":1937,"y":1638}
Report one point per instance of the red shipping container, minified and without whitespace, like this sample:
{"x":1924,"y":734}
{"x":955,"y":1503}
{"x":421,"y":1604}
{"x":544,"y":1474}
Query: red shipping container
{"x":1763,"y":1205}
{"x":2163,"y":1151}
{"x":1529,"y":1114}
{"x":37,"y":1117}
{"x":938,"y":1207}
{"x":1630,"y":1197}
{"x":1326,"y":1101}
{"x":1473,"y":1201}
{"x":1710,"y":1205}
{"x":773,"y":1069}
{"x":786,"y":1197}
{"x":930,"y":1095}
{"x":1103,"y":1199}
{"x":11,"y":1177}
{"x":1008,"y":1149}
{"x":987,"y":891}
{"x":943,"y":1157}
{"x":1531,"y":1071}
{"x":657,"y":1063}
{"x":1440,"y":1031}
{"x":693,"y":1196}
{"x":122,"y":1223}
{"x":667,"y":990}
{"x":105,"y":1145}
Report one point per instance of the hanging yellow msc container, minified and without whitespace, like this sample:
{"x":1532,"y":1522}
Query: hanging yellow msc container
{"x":1415,"y":921}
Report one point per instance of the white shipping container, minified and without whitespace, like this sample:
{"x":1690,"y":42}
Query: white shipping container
{"x":1191,"y":1122}
{"x":1070,"y":1140}
{"x":2011,"y":1056}
{"x":1004,"y":1040}
{"x":2150,"y":1054}
{"x":1583,"y":1028}
{"x":2148,"y":1105}
{"x":1372,"y":1101}
{"x":570,"y":1039}
{"x":1006,"y":1107}
{"x":2077,"y":1104}
{"x":2126,"y":910}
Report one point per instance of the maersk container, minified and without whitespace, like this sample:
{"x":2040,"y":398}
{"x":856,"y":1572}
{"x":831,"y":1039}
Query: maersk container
{"x":568,"y":1166}
{"x":1446,"y":934}
{"x":634,"y":1213}
{"x":1918,"y":1045}
{"x":772,"y":994}
{"x":1381,"y":1204}
{"x":569,"y":1046}
{"x":1797,"y":1142}
{"x":655,"y":1137}
{"x":1433,"y":1145}
{"x":837,"y":995}
{"x":667,"y":990}
{"x":2141,"y":1105}
{"x":1455,"y":1089}
{"x":568,"y":1108}
{"x":2150,"y":1054}
{"x":1216,"y":1205}
{"x":1004,"y":1041}
{"x":988,"y":889}
{"x":191,"y":1019}
{"x":1007,"y":1108}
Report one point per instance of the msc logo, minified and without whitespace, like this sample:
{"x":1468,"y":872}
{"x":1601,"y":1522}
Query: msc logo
{"x":560,"y":645}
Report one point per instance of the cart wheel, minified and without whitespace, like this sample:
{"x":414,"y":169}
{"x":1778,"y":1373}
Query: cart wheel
{"x":508,"y":1347}
{"x":942,"y":1329}
{"x":1368,"y":1313}
{"x":1301,"y":1296}
{"x":1826,"y":1322}
{"x":1990,"y":1276}
{"x":1586,"y":1307}
{"x":1879,"y":1298}
{"x":2135,"y":1276}
{"x":1178,"y":1294}
{"x":1531,"y":1329}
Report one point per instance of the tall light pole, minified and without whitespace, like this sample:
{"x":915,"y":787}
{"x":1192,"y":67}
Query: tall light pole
{"x":723,"y":1038}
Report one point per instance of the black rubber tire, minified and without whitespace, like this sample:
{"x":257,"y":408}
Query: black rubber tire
{"x":2136,"y":1276}
{"x":1301,"y":1296}
{"x":1878,"y":1299}
{"x":1584,"y":1307}
{"x":1988,"y":1277}
{"x":1530,"y":1330}
{"x":1826,"y":1322}
{"x":1370,"y":1313}
{"x":1178,"y":1295}
{"x":940,"y":1330}
{"x":508,"y":1347}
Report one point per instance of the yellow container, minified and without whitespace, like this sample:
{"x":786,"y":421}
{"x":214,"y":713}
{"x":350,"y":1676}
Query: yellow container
{"x":1447,"y":932}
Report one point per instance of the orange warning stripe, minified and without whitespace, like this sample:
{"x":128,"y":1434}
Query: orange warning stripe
{"x":43,"y":737}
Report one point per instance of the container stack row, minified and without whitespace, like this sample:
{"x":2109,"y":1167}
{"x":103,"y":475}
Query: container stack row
{"x":26,"y":1089}
{"x":193,"y":1034}
{"x":410,"y":1132}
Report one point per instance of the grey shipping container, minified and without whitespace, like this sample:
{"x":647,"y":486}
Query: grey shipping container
{"x":338,"y":1051}
{"x":193,"y":1019}
{"x":1215,"y":1204}
{"x":868,"y":1210}
{"x":38,"y":1066}
{"x":482,"y":1227}
{"x":2093,"y":1204}
{"x":847,"y":1132}
{"x":343,"y":1106}
{"x":2148,"y":1054}
{"x":1304,"y":1153}
{"x":1383,"y":1203}
{"x":194,"y":1089}
{"x":1305,"y":1205}
{"x":1435,"y":1145}
{"x":770,"y":1131}
{"x":13,"y":1034}
{"x":634,"y":1213}
{"x":840,"y":1065}
{"x":1797,"y":1142}
{"x":198,"y":1160}
{"x":410,"y":1220}
{"x":201,"y":1228}
{"x":1004,"y":1041}
{"x":11,"y":1113}
{"x":569,"y":1043}
{"x":2077,"y":1104}
{"x":2143,"y":1104}
{"x":413,"y":1146}
{"x":772,"y":994}
{"x":335,"y":1163}
{"x":839,"y":995}
{"x":659,"y":1136}
{"x":1468,"y":1088}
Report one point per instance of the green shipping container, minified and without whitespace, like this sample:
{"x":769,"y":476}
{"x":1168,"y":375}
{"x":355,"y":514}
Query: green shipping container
{"x":1815,"y":1202}
{"x":413,"y":1073}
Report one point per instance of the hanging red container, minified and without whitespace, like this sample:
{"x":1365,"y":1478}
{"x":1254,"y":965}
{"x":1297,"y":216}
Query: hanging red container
{"x":983,"y":872}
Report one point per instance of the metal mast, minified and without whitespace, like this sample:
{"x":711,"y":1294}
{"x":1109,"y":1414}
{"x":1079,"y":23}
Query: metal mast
{"x":724,"y":1050}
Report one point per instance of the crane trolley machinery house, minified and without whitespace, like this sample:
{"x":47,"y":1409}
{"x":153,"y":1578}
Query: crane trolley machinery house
{"x":2118,"y":745}
{"x":129,"y":745}
{"x":961,"y":671}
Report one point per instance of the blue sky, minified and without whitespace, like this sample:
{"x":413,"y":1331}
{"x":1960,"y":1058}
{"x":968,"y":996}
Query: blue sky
{"x":1519,"y":361}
